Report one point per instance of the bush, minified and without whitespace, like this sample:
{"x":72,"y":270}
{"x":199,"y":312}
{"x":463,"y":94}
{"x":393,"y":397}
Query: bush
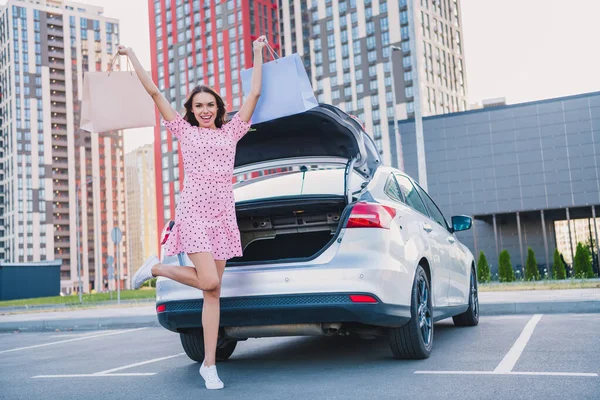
{"x":558,"y":269}
{"x":483,"y":269}
{"x":531,"y":269}
{"x":582,"y":264}
{"x":505,"y":270}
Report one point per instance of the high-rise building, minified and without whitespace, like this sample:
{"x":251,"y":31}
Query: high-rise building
{"x":141,"y":205}
{"x":346,"y":46}
{"x":200,"y":42}
{"x":49,"y":168}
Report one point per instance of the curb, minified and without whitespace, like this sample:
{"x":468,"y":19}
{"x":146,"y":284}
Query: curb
{"x":76,"y":306}
{"x":81,"y":324}
{"x":146,"y":321}
{"x":542,"y":307}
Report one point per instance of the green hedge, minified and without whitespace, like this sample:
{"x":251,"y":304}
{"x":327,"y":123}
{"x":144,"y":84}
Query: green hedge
{"x":582,"y":264}
{"x":483,"y":269}
{"x":531,"y":269}
{"x":558,"y":268}
{"x":505,"y":269}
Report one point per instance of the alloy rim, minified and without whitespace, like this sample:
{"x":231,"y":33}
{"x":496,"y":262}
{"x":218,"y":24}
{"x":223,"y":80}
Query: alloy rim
{"x":474,"y":297}
{"x":424,"y":312}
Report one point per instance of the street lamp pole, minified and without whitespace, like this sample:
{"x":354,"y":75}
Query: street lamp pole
{"x":399,"y":155}
{"x":77,"y":223}
{"x":422,"y":167}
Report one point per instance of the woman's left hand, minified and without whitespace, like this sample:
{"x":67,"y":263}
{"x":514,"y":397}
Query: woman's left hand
{"x":260,"y":43}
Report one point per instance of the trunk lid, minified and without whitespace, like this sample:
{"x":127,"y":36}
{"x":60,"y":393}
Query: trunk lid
{"x":325,"y":132}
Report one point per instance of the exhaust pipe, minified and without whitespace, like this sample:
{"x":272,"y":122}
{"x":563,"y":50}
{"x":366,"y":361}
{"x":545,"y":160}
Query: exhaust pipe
{"x":315,"y":329}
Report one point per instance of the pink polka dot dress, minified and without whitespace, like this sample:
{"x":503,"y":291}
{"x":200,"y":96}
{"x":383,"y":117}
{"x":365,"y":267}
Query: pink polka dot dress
{"x":205,"y":218}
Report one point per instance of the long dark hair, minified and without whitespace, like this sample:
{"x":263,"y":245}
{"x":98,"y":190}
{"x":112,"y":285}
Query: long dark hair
{"x":221,"y":111}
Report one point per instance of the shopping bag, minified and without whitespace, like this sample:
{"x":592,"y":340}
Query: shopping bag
{"x":285,"y":90}
{"x":115,"y":100}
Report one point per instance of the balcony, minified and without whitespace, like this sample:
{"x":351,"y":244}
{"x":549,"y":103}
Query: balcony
{"x":61,"y":141}
{"x":57,"y":64}
{"x":58,"y":86}
{"x":60,"y":176}
{"x":57,"y":76}
{"x":59,"y":109}
{"x":60,"y":198}
{"x":56,"y":43}
{"x":62,"y":220}
{"x":54,"y":20}
{"x":56,"y":54}
{"x":58,"y":96}
{"x":61,"y":210}
{"x":59,"y":120}
{"x":60,"y":164}
{"x":56,"y":32}
{"x":57,"y":153}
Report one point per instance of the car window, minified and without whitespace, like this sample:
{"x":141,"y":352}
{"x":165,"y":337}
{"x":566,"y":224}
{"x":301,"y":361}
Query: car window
{"x":392,"y":190}
{"x":293,"y":182}
{"x":434,"y":211}
{"x":410,"y":194}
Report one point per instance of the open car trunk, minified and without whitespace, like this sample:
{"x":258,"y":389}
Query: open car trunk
{"x":287,"y":229}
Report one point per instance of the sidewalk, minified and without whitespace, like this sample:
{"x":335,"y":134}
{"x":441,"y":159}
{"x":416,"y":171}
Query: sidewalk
{"x":125,"y":316}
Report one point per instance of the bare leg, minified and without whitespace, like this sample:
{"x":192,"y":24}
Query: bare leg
{"x":210,"y":318}
{"x":203,"y":275}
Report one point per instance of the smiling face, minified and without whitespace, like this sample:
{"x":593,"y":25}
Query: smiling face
{"x":204,"y":108}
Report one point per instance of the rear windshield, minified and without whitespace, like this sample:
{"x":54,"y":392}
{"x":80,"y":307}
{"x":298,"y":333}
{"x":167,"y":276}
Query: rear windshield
{"x":291,"y":181}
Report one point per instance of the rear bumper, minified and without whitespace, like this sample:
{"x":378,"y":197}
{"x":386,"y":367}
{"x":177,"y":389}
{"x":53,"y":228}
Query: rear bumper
{"x":284,"y":309}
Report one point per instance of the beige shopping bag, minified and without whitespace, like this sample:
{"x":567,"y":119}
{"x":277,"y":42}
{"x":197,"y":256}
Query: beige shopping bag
{"x":115,"y":100}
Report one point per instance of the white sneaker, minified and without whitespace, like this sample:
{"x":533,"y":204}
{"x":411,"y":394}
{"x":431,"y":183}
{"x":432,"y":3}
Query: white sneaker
{"x":145,"y":272}
{"x":211,"y":378}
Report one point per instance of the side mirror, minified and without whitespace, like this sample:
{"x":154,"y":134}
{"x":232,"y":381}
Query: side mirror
{"x":461,"y":223}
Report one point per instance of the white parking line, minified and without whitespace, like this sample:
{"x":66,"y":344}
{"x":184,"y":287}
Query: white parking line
{"x":110,"y":372}
{"x":70,"y":340}
{"x":93,"y":375}
{"x":507,"y":373}
{"x":510,"y":359}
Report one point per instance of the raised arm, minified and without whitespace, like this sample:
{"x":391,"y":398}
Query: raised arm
{"x":164,"y":107}
{"x":249,"y":104}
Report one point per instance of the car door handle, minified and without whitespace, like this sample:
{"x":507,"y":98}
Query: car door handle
{"x":451,"y":239}
{"x":427,"y":228}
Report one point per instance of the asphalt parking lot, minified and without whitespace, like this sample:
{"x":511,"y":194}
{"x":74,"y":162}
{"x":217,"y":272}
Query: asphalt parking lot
{"x":505,"y":357}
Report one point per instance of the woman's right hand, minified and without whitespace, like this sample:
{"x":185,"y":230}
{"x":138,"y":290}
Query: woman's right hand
{"x":124,"y":51}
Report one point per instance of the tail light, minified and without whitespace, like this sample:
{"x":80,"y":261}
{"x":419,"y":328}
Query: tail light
{"x":362,"y":298}
{"x":166,"y":232}
{"x":370,"y":215}
{"x":161,"y":308}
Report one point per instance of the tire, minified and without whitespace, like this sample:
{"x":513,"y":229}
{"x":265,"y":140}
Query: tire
{"x":193,"y":345}
{"x":471,"y":316}
{"x":414,"y":340}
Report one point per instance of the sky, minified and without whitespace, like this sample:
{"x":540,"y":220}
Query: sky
{"x":528,"y":50}
{"x":523,"y":50}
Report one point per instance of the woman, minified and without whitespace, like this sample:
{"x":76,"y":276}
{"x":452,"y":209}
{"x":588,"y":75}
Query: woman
{"x":205,"y":223}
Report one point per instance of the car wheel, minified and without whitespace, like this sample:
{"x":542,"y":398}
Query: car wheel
{"x":193,"y":345}
{"x":471,"y":316}
{"x":414,"y":340}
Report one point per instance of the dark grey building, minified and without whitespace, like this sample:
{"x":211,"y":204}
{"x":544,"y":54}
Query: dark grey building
{"x":516,"y":169}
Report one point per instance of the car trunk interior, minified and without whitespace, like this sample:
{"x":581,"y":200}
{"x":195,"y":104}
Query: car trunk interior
{"x":287,"y":229}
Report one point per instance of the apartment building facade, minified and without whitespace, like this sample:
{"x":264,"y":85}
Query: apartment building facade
{"x":348,"y":50}
{"x":50,"y":168}
{"x":200,"y":42}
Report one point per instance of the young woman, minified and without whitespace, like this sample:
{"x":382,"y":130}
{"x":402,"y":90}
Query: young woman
{"x":205,"y":223}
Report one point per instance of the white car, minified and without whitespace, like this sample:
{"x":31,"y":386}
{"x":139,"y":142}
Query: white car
{"x":334,"y":244}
